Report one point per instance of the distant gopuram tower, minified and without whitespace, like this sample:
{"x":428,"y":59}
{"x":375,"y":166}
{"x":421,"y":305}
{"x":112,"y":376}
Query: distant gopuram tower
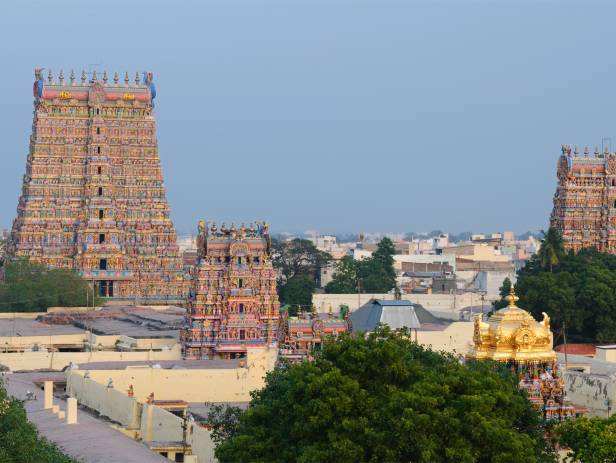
{"x":93,"y":197}
{"x":585,"y":200}
{"x":233,"y":302}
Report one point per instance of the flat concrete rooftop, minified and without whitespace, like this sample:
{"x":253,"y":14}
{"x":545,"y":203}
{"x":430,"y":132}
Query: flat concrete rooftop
{"x":11,"y":327}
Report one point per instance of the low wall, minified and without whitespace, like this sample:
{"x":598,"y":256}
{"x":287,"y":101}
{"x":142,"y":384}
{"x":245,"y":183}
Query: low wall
{"x":153,"y":423}
{"x":193,"y":385}
{"x":59,"y":360}
{"x":592,"y":391}
{"x":442,"y":305}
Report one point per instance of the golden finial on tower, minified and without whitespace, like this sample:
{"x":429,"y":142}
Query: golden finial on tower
{"x":512,"y":298}
{"x":586,"y":151}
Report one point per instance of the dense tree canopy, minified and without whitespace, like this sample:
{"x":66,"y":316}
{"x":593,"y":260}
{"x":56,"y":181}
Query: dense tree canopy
{"x":589,"y":440}
{"x":28,"y":286}
{"x":19,"y":439}
{"x":384,"y":398}
{"x":579,"y":291}
{"x":299,"y":265}
{"x":375,"y":274}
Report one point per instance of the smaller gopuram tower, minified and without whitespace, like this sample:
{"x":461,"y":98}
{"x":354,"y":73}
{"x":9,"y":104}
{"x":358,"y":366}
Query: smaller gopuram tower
{"x":233,"y":303}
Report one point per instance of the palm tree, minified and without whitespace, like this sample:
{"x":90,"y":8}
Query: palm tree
{"x":552,"y":248}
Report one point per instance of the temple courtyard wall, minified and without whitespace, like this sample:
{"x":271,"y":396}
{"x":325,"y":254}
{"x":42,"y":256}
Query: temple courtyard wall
{"x":29,"y":361}
{"x":446,"y":306}
{"x":224,"y":381}
{"x":591,"y":383}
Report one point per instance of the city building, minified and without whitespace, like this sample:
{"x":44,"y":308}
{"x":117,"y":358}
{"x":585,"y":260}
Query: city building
{"x":233,"y":304}
{"x":585,"y":200}
{"x":93,"y":197}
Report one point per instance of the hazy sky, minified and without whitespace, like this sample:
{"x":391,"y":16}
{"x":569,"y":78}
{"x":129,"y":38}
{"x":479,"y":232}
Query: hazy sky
{"x":336,"y":115}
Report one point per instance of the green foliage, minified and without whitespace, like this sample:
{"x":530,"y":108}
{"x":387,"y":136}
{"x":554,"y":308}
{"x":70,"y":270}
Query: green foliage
{"x":373,"y":275}
{"x":19,"y":439}
{"x":504,"y":292}
{"x":552,"y":249}
{"x":589,"y":440}
{"x":385,"y":398}
{"x":297,"y":261}
{"x":224,"y":420}
{"x":297,"y":291}
{"x":580,"y":292}
{"x":31,"y":287}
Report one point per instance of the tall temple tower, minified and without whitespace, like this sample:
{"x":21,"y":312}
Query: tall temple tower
{"x":93,"y":197}
{"x":585,"y":200}
{"x":233,"y":300}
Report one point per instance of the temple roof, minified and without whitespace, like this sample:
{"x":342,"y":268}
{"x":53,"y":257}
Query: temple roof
{"x":512,"y":334}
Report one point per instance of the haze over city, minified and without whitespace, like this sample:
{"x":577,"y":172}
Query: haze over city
{"x":376,"y":116}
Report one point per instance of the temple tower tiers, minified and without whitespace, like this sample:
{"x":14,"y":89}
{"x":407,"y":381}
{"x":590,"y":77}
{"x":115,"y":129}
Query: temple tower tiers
{"x":585,"y":200}
{"x":93,"y":197}
{"x":233,"y":304}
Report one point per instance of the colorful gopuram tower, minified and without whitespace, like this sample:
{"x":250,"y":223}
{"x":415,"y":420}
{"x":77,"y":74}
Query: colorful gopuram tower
{"x":93,"y":197}
{"x":233,"y":303}
{"x":585,"y":200}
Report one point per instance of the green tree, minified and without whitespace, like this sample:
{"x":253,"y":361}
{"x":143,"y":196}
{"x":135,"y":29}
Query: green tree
{"x":504,"y":292}
{"x":297,"y":291}
{"x":19,"y":439}
{"x":28,"y":286}
{"x":384,"y":398}
{"x":375,"y":274}
{"x":223,"y":420}
{"x":344,"y":280}
{"x":297,"y":261}
{"x":579,"y":293}
{"x":589,"y":440}
{"x":552,"y":249}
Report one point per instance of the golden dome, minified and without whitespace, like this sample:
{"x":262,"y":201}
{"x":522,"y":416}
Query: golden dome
{"x":512,"y":334}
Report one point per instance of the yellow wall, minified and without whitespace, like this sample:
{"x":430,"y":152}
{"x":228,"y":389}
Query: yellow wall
{"x":58,"y":360}
{"x":456,"y":338}
{"x":192,"y":385}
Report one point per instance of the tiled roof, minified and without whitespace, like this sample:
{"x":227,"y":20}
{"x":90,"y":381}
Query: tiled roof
{"x":577,"y":349}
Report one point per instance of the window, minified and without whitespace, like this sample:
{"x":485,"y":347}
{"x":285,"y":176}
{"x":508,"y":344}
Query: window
{"x":98,"y":150}
{"x":100,"y":191}
{"x":179,"y":457}
{"x":240,"y":283}
{"x":101,"y":214}
{"x":241,"y":308}
{"x":242,"y":334}
{"x":102,"y":264}
{"x":99,"y":170}
{"x":98,"y":131}
{"x":101,"y":238}
{"x":98,"y":111}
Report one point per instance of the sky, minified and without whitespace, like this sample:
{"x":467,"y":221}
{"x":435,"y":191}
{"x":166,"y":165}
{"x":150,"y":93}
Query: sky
{"x":336,"y":115}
